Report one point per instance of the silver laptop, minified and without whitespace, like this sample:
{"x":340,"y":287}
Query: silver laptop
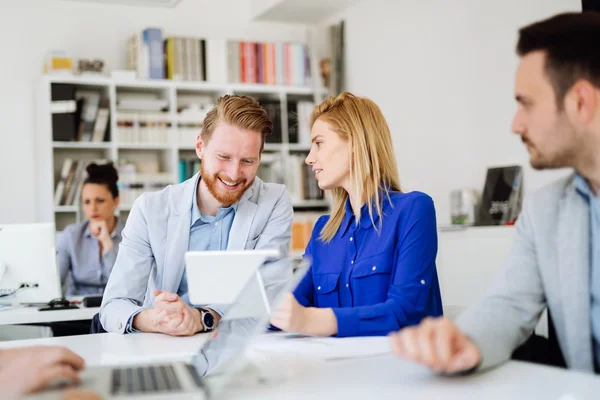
{"x":212,"y":368}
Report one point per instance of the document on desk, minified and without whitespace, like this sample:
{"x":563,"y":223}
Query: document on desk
{"x":323,"y":348}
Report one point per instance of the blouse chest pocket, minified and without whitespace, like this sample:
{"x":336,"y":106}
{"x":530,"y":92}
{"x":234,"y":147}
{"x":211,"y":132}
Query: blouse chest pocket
{"x":325,"y":286}
{"x":371,"y":279}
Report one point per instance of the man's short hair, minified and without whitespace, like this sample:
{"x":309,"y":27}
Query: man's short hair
{"x":571,"y":44}
{"x":242,"y":112}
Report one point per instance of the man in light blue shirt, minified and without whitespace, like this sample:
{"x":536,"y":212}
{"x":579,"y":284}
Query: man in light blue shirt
{"x":593,"y":201}
{"x":224,"y":207}
{"x":554,"y":262}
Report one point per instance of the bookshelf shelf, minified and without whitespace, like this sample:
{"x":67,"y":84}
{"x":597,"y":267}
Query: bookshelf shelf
{"x":144,"y":146}
{"x":273,"y":147}
{"x":299,"y":147}
{"x":189,"y":86}
{"x":166,"y":148}
{"x":65,"y":209}
{"x":85,"y":80}
{"x":81,"y":145}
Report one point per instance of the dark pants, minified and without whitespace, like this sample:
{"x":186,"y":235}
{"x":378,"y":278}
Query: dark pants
{"x":70,"y":328}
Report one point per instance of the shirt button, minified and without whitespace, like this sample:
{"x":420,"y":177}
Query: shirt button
{"x":347,"y":285}
{"x":422,"y":282}
{"x":352,"y":262}
{"x":350,"y":239}
{"x":216,"y":223}
{"x":319,"y":288}
{"x":374,"y":268}
{"x":119,"y":325}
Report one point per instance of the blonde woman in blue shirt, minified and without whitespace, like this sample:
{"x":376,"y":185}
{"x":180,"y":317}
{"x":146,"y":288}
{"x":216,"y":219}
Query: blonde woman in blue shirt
{"x":87,"y":251}
{"x":373,"y":259}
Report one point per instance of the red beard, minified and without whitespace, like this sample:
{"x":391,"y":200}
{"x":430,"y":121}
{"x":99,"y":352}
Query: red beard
{"x":223,"y":196}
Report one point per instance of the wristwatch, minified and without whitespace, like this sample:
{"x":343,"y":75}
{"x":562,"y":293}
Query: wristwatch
{"x":207,"y":319}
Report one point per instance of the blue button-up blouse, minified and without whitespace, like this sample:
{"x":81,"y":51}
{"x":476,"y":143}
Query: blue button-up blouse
{"x":376,"y":280}
{"x":79,"y":255}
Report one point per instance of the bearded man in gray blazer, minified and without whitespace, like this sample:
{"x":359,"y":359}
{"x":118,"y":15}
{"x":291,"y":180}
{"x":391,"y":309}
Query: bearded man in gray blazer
{"x":555,"y":258}
{"x":223,"y":207}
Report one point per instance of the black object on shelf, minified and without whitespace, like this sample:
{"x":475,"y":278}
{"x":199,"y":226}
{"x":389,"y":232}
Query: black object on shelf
{"x":502,"y":196}
{"x":64,"y":112}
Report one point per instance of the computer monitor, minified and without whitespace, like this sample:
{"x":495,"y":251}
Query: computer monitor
{"x":28,"y":268}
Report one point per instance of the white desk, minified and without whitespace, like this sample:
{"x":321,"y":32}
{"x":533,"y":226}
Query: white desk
{"x":31,"y":315}
{"x":380,"y":377}
{"x":115,"y":349}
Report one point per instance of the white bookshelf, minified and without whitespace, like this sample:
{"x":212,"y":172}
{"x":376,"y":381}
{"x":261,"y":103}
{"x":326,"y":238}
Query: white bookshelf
{"x":52,"y":153}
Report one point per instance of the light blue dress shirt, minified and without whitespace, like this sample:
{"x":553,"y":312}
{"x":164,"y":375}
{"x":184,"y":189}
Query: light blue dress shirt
{"x":207,"y":232}
{"x":79,"y":255}
{"x":593,"y":201}
{"x":210,"y":233}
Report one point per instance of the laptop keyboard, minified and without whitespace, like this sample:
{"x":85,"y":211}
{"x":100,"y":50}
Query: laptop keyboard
{"x":149,"y":379}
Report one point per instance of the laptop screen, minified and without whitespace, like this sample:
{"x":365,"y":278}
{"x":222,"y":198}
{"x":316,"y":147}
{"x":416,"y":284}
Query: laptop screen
{"x":222,"y":356}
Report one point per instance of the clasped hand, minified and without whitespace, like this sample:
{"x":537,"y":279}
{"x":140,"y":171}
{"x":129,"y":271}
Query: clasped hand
{"x":170,"y":315}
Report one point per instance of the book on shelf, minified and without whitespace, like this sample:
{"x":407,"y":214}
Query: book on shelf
{"x":89,"y":103}
{"x":145,"y":54}
{"x":302,"y":227}
{"x":70,"y":181}
{"x":270,"y":168}
{"x":273,"y":109}
{"x":190,"y":119}
{"x":188,"y":168}
{"x":185,"y":58}
{"x":268,"y":63}
{"x":78,"y":116}
{"x":200,"y":59}
{"x":133,"y":184}
{"x":64,"y":108}
{"x":102,"y":121}
{"x":143,"y":127}
{"x":301,"y":181}
{"x":301,"y":111}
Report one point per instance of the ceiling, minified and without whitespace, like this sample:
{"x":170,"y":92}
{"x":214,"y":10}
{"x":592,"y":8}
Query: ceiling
{"x":142,"y":3}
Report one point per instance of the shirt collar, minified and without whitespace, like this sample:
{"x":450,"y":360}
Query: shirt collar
{"x":197,"y":214}
{"x":583,"y":187}
{"x":365,"y":218}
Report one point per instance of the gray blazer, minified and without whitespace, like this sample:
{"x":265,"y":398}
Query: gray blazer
{"x":548,"y":266}
{"x":156,"y":237}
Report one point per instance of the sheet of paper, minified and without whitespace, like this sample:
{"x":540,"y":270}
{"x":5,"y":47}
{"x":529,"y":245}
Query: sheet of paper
{"x":327,"y":349}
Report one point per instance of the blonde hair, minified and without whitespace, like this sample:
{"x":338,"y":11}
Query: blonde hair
{"x":373,"y":167}
{"x":242,"y":112}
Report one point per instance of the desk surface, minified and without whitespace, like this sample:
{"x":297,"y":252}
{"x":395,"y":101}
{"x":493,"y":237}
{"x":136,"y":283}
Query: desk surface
{"x":31,"y":315}
{"x":115,"y":349}
{"x":380,"y":377}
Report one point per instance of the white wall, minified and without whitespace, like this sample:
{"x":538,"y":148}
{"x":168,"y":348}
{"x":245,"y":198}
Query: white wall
{"x":29,"y":28}
{"x":442,"y":72}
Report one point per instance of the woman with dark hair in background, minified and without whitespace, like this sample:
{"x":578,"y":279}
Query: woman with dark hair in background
{"x":88,"y":250}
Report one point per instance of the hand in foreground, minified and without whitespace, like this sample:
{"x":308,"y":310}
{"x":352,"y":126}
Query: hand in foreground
{"x":78,"y":394}
{"x":30,"y":369}
{"x":289,"y":316}
{"x":170,"y":315}
{"x":438,"y":344}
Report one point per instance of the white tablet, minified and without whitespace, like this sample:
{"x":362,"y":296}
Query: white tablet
{"x":218,"y":277}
